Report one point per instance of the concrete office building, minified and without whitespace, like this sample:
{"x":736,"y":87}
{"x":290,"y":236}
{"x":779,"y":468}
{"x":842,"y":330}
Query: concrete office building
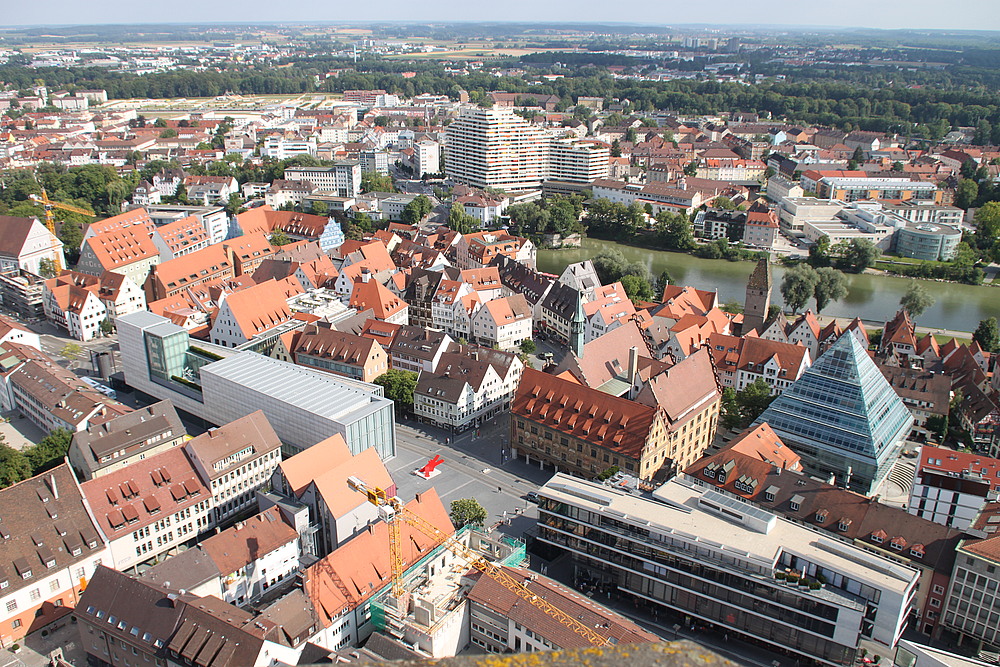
{"x":221,"y":385}
{"x":928,"y":241}
{"x":654,"y":548}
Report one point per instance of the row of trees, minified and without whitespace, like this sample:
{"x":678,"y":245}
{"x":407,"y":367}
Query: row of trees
{"x":17,"y":465}
{"x":802,"y":282}
{"x":555,"y":215}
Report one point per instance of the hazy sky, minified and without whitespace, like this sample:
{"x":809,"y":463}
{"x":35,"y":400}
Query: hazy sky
{"x":947,"y":14}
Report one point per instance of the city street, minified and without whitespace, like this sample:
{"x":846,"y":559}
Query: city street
{"x":472,"y":468}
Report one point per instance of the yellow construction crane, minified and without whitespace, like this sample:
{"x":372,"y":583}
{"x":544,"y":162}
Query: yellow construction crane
{"x":392,"y":511}
{"x":49,"y":204}
{"x":50,"y":220}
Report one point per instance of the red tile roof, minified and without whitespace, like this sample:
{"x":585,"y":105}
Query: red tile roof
{"x":144,"y":492}
{"x":614,"y":423}
{"x":360,"y":568}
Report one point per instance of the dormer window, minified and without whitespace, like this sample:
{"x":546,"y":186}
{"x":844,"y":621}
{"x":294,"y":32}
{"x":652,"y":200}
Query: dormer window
{"x":877,"y":538}
{"x":722,"y":477}
{"x":821,"y":516}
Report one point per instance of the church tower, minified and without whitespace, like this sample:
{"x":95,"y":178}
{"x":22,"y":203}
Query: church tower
{"x":758,"y":297}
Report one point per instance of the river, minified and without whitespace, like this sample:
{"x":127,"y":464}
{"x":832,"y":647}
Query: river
{"x":874,"y":298}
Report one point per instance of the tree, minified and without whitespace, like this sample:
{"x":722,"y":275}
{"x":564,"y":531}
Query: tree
{"x":375,"y":182}
{"x":50,"y":450}
{"x":528,"y":346}
{"x":987,"y":334}
{"x":71,"y":351}
{"x":460,"y":221}
{"x":234,"y":205}
{"x":753,"y":400}
{"x":182,"y":193}
{"x":897,"y":166}
{"x":675,"y":231}
{"x":279,"y":237}
{"x":798,"y":286}
{"x":966,"y":193}
{"x":168,"y":133}
{"x":819,"y":252}
{"x":159,"y":122}
{"x":938,"y":425}
{"x":467,"y":511}
{"x":637,"y":288}
{"x":71,"y":234}
{"x":859,"y":255}
{"x":662,"y":281}
{"x":858,"y":155}
{"x":916,"y":299}
{"x":691,"y":168}
{"x":415,"y":211}
{"x":729,"y":409}
{"x":106,"y":326}
{"x":14,"y":465}
{"x":47,"y":268}
{"x":831,"y":285}
{"x":399,"y":386}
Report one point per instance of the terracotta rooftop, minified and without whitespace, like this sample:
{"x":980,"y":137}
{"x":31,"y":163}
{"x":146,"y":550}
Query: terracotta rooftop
{"x":249,"y":540}
{"x":44,"y":528}
{"x":606,"y":622}
{"x":144,"y":492}
{"x":122,"y":247}
{"x":213,"y":447}
{"x":614,"y":423}
{"x":360,"y":568}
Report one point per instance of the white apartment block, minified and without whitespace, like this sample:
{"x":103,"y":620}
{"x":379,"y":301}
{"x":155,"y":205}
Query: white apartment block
{"x":427,"y":157}
{"x":578,"y":160}
{"x":281,"y":148}
{"x":496,"y":148}
{"x":343,"y":179}
{"x":149,"y":509}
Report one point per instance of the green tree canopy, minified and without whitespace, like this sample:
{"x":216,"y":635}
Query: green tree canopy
{"x":831,"y":285}
{"x":14,"y":465}
{"x":415,"y":211}
{"x":466,"y":512}
{"x":399,"y":386}
{"x":374,"y":182}
{"x":798,"y":286}
{"x":916,"y":299}
{"x":987,"y":335}
{"x":859,"y":255}
{"x":50,"y":450}
{"x":637,"y":288}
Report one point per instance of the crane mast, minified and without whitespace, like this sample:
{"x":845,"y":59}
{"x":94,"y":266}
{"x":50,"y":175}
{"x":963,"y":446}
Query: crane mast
{"x":392,"y":511}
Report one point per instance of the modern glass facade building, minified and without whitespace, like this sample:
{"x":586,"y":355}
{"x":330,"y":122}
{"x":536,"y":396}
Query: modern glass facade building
{"x":716,"y":559}
{"x":842,"y":417}
{"x":220,"y":385}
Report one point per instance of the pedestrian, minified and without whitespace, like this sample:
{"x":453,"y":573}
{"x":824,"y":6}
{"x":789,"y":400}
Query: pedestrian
{"x":499,"y":489}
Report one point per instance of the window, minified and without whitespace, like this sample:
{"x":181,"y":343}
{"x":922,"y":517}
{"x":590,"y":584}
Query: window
{"x":11,"y":605}
{"x":35,"y":594}
{"x":16,"y":623}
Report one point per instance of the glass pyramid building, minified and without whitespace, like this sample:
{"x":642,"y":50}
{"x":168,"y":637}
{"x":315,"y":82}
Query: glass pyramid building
{"x":842,"y":417}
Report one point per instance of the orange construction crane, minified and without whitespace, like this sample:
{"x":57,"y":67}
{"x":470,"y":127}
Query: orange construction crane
{"x":392,"y":511}
{"x":50,"y":220}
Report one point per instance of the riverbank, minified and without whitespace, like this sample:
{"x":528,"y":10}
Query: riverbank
{"x":873,"y":297}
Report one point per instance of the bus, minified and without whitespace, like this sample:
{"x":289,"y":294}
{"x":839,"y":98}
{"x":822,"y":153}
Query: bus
{"x":103,"y":388}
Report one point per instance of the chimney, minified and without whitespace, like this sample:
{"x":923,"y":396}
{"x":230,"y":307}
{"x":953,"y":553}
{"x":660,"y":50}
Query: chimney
{"x":55,"y":489}
{"x":365,"y":275}
{"x":633,"y":363}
